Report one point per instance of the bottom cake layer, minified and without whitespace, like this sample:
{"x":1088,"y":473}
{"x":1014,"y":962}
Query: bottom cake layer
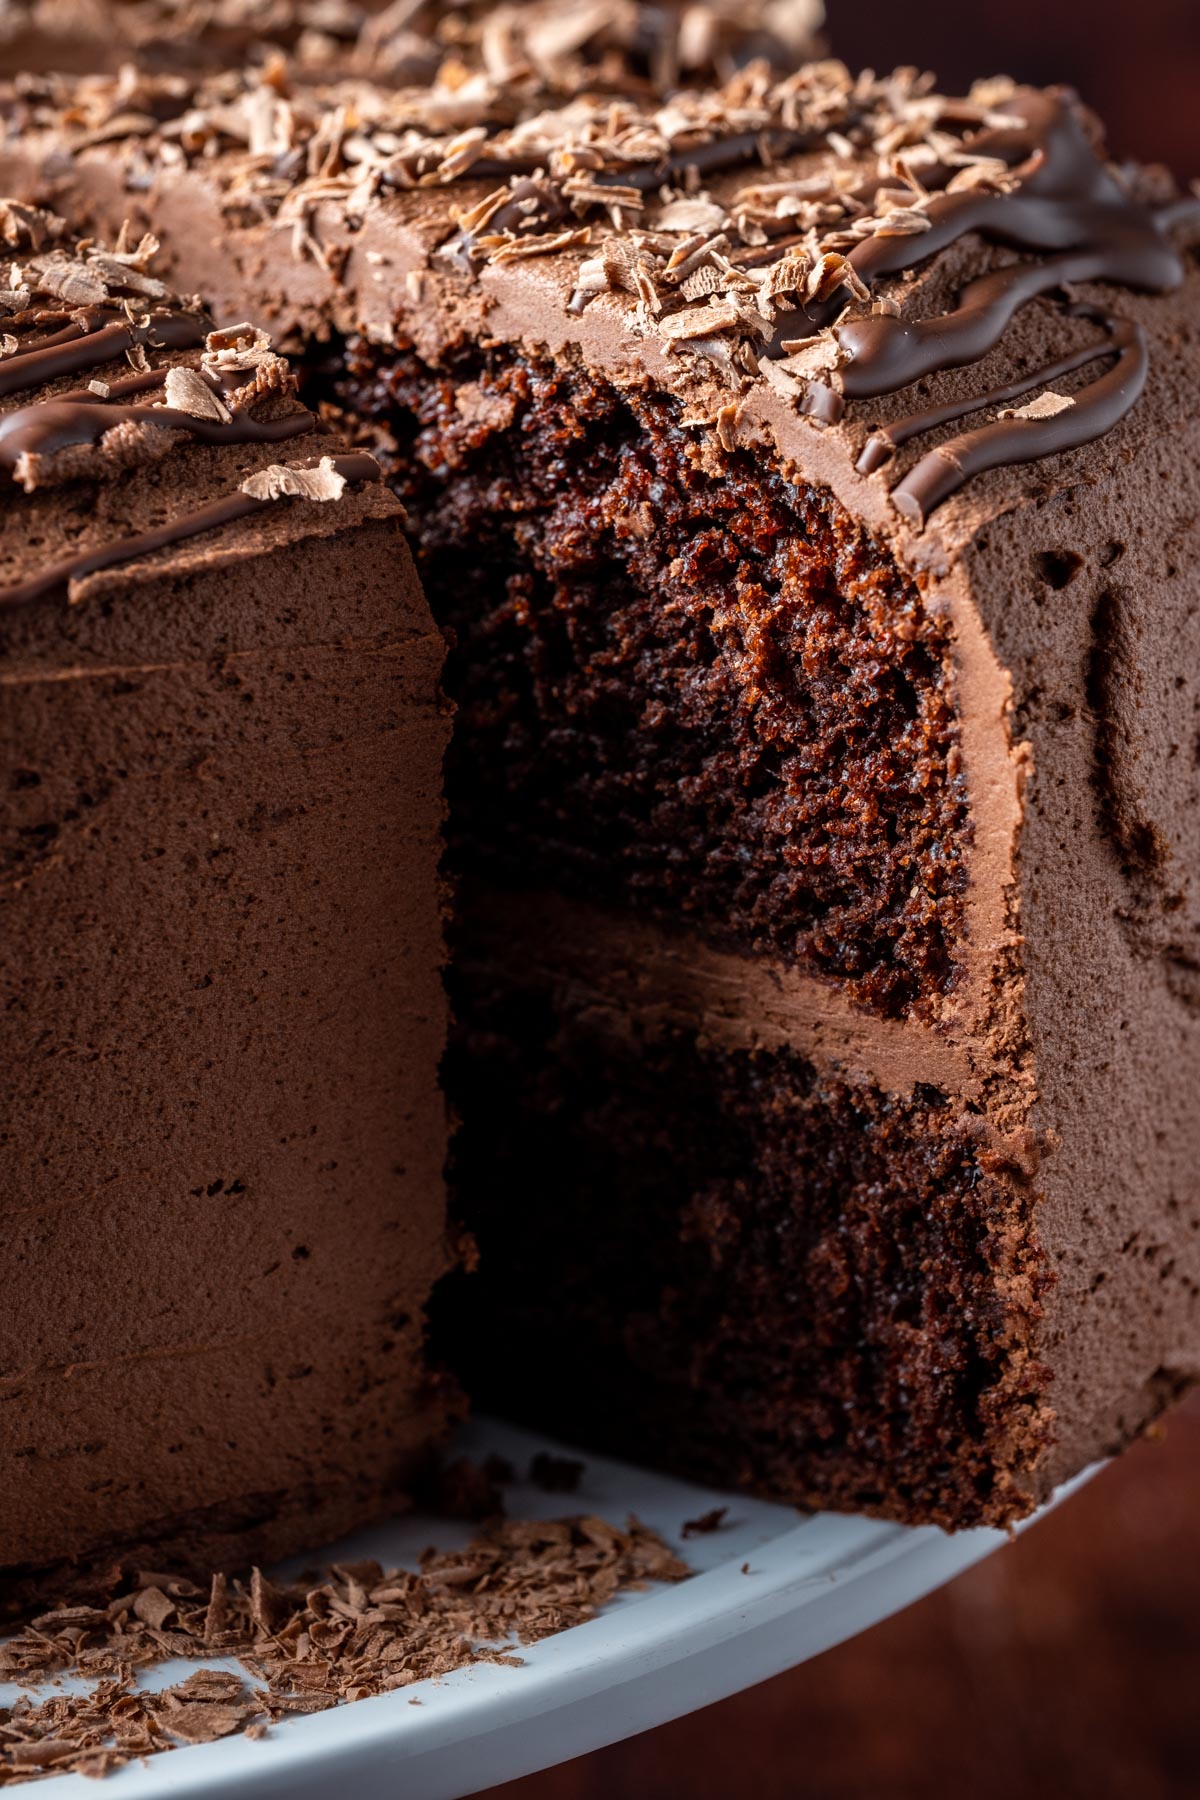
{"x":729,"y":1262}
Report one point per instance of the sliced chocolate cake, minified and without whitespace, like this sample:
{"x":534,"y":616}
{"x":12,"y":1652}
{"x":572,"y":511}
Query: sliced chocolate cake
{"x":806,"y":471}
{"x":222,"y":1209}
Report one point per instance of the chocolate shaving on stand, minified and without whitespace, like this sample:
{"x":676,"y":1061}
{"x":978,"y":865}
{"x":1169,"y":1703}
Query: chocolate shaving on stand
{"x":352,"y":1631}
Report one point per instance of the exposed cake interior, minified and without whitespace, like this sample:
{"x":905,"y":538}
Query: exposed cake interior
{"x":692,"y":691}
{"x":684,"y":682}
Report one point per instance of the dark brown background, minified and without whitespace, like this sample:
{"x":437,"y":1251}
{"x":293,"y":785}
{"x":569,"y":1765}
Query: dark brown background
{"x":1136,"y":61}
{"x":1068,"y":1665}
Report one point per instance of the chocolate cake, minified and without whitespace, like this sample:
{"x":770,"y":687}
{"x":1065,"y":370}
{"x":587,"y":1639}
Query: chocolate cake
{"x":804,"y":472}
{"x":222,"y":1013}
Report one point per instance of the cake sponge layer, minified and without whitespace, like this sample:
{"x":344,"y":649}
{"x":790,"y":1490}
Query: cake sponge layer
{"x":682,"y":678}
{"x":728,"y":1260}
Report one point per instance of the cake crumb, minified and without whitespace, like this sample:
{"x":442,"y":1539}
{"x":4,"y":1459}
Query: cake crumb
{"x":465,"y":1489}
{"x":709,"y":1521}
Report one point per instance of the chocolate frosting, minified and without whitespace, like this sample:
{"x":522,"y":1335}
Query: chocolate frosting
{"x":223,"y":511}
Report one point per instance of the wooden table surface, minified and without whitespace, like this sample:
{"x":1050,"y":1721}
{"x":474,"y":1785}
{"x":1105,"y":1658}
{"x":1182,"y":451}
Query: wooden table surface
{"x":1066,"y":1667}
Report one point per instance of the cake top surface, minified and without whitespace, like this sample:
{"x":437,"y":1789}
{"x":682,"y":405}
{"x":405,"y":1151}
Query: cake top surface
{"x":825,"y":240}
{"x":545,"y":43}
{"x":130,"y":426}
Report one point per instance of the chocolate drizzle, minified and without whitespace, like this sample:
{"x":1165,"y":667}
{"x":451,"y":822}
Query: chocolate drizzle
{"x":879,"y":448}
{"x":47,"y":426}
{"x":223,"y":511}
{"x":95,"y":336}
{"x":1024,"y":439}
{"x":1066,"y":204}
{"x":1061,"y":203}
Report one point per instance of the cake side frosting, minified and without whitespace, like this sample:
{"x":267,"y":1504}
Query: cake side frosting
{"x":223,"y":1208}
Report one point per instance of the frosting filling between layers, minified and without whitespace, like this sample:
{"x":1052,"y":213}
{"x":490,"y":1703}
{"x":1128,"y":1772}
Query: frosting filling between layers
{"x":666,"y":979}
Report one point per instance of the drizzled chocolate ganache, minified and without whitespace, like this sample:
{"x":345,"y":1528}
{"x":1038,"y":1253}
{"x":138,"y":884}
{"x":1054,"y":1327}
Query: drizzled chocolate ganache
{"x":804,"y":472}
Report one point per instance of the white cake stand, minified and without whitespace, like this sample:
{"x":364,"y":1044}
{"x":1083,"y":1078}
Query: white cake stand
{"x":772,"y":1588}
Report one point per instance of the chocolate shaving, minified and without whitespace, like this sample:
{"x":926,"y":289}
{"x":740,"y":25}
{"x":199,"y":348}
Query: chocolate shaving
{"x":119,"y":272}
{"x":699,"y":321}
{"x":28,"y":227}
{"x":290,"y":481}
{"x":1046,"y":406}
{"x":236,"y":347}
{"x":187,"y":391}
{"x":706,"y":1523}
{"x":153,"y":1607}
{"x":68,"y":278}
{"x":354,"y":1631}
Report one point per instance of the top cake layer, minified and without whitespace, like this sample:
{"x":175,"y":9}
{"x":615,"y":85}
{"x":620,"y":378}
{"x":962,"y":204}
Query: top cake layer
{"x":791,"y":254}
